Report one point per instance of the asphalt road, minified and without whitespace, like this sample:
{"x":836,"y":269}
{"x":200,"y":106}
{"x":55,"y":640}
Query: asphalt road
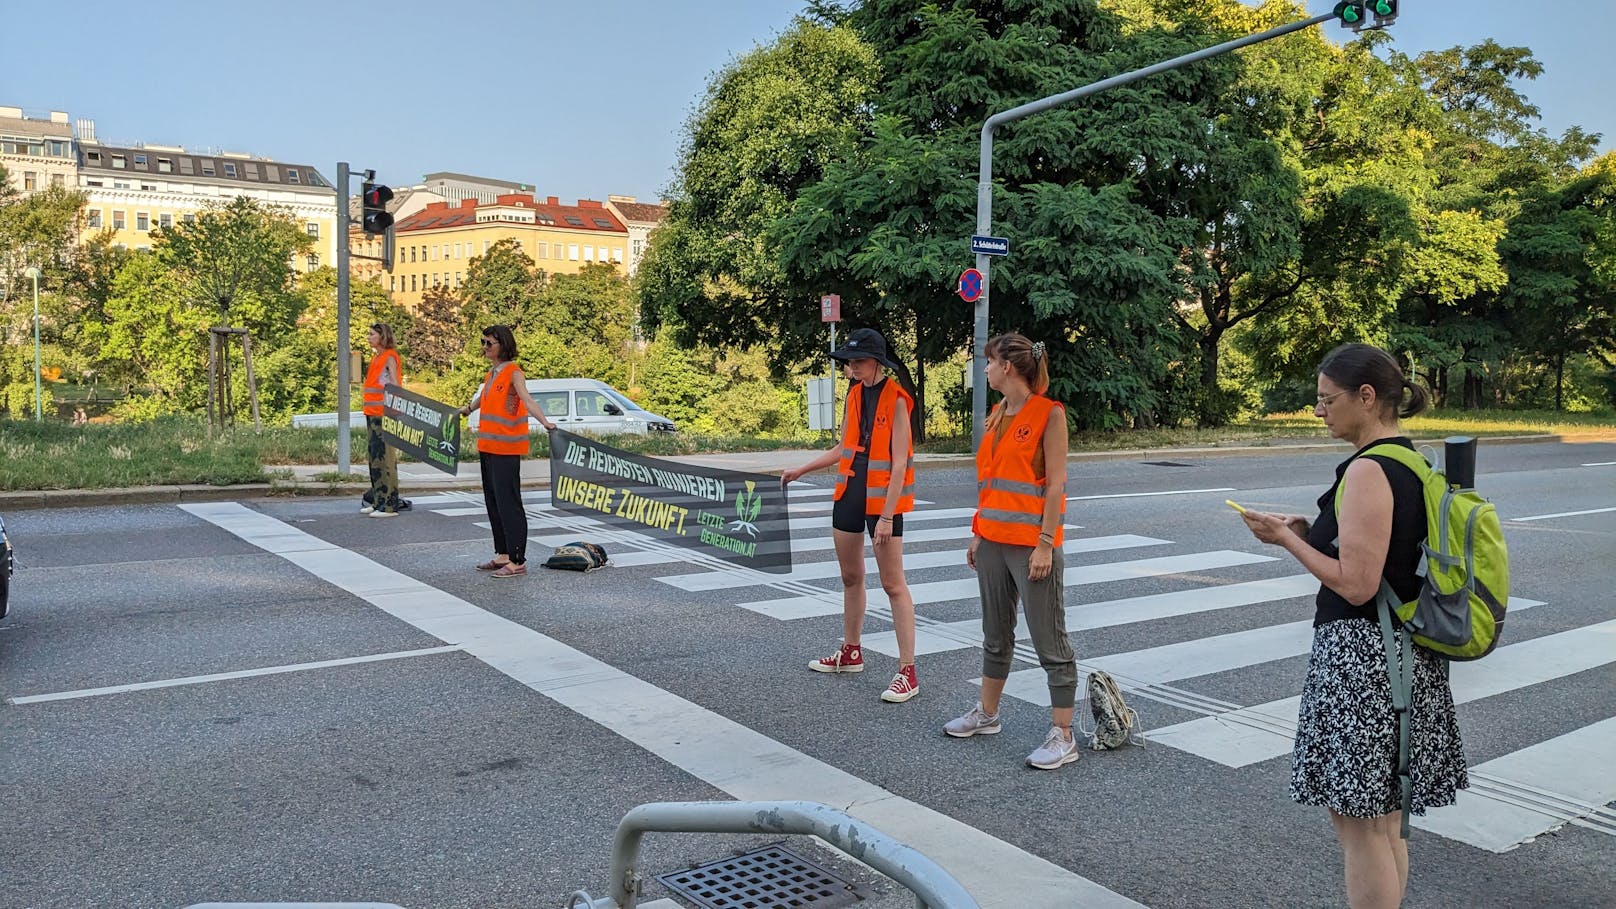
{"x":484,"y":756}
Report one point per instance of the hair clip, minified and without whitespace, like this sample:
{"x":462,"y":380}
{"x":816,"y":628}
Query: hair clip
{"x":1037,"y":350}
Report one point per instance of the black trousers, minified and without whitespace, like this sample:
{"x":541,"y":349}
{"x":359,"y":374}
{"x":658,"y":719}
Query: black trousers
{"x":502,"y":494}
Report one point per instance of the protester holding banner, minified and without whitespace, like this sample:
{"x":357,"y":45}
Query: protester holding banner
{"x":1016,"y":543}
{"x":382,"y":499}
{"x":502,"y":443}
{"x":875,"y":486}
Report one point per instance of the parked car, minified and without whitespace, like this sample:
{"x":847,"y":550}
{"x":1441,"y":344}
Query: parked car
{"x":588,"y":405}
{"x":8,"y":563}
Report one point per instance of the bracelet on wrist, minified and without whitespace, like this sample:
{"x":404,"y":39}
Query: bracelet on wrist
{"x":886,"y":518}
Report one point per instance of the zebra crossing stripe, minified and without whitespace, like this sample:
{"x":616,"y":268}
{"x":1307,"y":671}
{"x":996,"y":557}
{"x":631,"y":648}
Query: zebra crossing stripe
{"x":1529,"y":792}
{"x":1109,"y":613}
{"x":1242,"y":737}
{"x":913,"y":561}
{"x":800,"y":607}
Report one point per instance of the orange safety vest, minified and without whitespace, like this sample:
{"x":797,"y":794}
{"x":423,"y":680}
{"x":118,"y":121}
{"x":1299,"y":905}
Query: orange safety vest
{"x":373,"y":380}
{"x":502,"y":426}
{"x":880,"y":476}
{"x":1009,"y":496}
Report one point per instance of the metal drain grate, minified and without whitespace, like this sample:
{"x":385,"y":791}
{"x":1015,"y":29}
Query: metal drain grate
{"x":769,"y":878}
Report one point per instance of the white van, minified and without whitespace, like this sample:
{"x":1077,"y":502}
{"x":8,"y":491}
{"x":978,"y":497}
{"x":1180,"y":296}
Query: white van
{"x":588,"y":405}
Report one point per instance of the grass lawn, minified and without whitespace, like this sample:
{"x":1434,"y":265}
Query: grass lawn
{"x":56,"y":455}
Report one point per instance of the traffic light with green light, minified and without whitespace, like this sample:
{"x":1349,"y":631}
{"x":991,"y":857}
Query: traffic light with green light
{"x":1385,"y":12}
{"x":1352,"y":13}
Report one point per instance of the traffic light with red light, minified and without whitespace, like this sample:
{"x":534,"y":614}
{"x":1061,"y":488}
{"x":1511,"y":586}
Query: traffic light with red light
{"x":376,"y":219}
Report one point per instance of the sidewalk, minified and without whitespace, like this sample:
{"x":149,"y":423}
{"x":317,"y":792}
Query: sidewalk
{"x":417,"y":479}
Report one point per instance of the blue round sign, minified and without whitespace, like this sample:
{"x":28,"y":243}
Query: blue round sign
{"x":970,"y":285}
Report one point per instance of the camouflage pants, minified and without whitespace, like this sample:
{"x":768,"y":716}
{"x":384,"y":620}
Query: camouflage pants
{"x":383,"y":492}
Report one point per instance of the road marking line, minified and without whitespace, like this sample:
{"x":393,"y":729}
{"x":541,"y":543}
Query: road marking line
{"x":1135,"y":495}
{"x":799,"y":607}
{"x":1563,"y":514}
{"x":1578,"y":762}
{"x":1110,"y":613}
{"x":710,"y":747}
{"x":226,"y":676}
{"x":1601,"y":464}
{"x":1193,"y":658}
{"x":912,"y":561}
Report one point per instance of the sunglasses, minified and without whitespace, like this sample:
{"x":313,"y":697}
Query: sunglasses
{"x":489,"y":342}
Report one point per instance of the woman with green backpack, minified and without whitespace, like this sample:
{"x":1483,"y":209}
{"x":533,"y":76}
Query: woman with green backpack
{"x":1346,"y":755}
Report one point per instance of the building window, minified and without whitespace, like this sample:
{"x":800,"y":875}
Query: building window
{"x":291,"y":175}
{"x":94,"y":183}
{"x":58,"y":180}
{"x":58,"y":149}
{"x":165,"y":166}
{"x":617,"y":253}
{"x":118,"y":163}
{"x":30,"y":180}
{"x":95,"y":157}
{"x":314,"y":261}
{"x":392,"y":282}
{"x":188,"y":218}
{"x":589,"y":253}
{"x":92,"y":218}
{"x":149,"y":187}
{"x":412,"y":284}
{"x":457,"y":250}
{"x":412,"y":254}
{"x":401,"y":255}
{"x":543,"y":251}
{"x":120,"y":184}
{"x":117,"y":219}
{"x":486,"y":244}
{"x":165,"y":221}
{"x":140,"y":160}
{"x":572,"y":251}
{"x":638,"y":246}
{"x":207,"y":168}
{"x":229,"y":169}
{"x":313,"y":229}
{"x":142,"y":221}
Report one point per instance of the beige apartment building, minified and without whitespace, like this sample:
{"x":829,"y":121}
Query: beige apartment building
{"x":134,"y":190}
{"x":434,"y":246}
{"x":640,"y":218}
{"x":37,"y":152}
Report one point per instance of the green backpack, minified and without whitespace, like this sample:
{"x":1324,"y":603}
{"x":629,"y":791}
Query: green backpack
{"x":1460,"y":609}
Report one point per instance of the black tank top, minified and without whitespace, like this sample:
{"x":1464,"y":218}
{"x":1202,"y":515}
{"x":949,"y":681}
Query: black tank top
{"x":1402,"y":556}
{"x":866,"y":430}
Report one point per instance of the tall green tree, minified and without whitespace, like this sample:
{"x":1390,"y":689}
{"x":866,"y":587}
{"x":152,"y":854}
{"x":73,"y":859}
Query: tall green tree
{"x":234,"y":262}
{"x":768,"y":127}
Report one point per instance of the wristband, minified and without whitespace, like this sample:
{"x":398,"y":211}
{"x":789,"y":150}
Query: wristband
{"x":886,"y":519}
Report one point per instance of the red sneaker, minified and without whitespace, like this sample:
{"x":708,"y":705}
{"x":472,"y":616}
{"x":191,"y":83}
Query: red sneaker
{"x":903,"y":686}
{"x":850,"y":658}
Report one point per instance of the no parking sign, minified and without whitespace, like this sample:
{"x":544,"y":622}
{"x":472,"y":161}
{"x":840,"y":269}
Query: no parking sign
{"x":970,"y":285}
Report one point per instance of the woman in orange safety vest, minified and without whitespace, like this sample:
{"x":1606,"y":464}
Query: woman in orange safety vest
{"x":502,"y":442}
{"x":382,"y":499}
{"x":1016,"y":543}
{"x":875,"y":487}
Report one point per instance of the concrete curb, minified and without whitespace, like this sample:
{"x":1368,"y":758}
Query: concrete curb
{"x":143,"y":495}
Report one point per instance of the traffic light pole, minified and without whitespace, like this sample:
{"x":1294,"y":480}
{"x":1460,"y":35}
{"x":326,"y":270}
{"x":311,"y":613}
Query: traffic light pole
{"x":344,"y":344}
{"x":984,"y":186}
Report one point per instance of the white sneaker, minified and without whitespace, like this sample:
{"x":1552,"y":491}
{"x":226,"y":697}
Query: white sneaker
{"x":366,"y":508}
{"x":974,"y":722}
{"x":1056,"y":751}
{"x":383,"y":514}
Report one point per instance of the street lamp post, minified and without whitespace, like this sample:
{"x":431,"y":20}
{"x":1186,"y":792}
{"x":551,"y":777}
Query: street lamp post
{"x":32,"y":273}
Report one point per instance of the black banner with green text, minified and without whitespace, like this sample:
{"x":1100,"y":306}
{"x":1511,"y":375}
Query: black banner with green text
{"x":739,"y":517}
{"x":422,"y":428}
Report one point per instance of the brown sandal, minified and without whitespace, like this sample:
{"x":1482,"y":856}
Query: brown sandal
{"x":492,"y":565}
{"x":510,"y":570}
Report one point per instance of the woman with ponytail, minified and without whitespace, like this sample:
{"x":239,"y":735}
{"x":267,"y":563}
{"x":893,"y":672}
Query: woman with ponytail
{"x":1346,"y":752}
{"x":1016,"y":543}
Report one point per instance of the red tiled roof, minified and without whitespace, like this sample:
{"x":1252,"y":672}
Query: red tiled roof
{"x":439,"y":215}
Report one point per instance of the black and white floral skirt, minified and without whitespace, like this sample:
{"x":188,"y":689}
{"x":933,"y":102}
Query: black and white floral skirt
{"x":1346,"y":732}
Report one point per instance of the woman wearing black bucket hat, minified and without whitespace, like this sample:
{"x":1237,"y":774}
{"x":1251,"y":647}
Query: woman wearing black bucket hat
{"x":875,"y":486}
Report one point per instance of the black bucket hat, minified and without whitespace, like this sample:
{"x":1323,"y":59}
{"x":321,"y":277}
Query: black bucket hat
{"x":864,"y":344}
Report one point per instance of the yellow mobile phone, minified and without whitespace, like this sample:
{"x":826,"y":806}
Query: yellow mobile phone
{"x":1231,"y":504}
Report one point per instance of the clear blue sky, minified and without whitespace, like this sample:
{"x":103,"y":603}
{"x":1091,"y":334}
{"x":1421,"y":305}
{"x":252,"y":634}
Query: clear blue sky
{"x":578,"y":99}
